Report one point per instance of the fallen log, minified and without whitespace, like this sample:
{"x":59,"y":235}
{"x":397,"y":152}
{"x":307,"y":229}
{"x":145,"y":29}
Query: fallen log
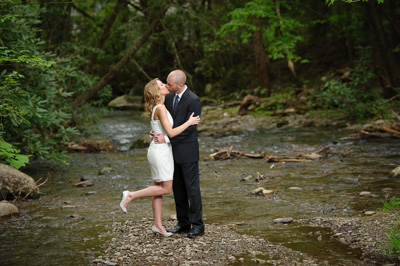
{"x":286,"y":159}
{"x":231,"y":154}
{"x":91,"y":146}
{"x":247,"y":102}
{"x":395,"y":133}
{"x":380,"y":130}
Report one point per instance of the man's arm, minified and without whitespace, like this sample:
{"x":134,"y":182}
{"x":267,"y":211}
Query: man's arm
{"x":193,"y":107}
{"x":161,"y":138}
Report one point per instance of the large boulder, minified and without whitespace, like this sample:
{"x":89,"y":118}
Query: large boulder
{"x":15,"y":183}
{"x":140,"y":143}
{"x":127,"y":102}
{"x":7,"y":209}
{"x":395,"y":172}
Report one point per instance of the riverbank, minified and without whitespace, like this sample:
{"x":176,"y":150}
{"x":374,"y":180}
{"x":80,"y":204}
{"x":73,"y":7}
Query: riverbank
{"x":368,"y":233}
{"x":133,"y":243}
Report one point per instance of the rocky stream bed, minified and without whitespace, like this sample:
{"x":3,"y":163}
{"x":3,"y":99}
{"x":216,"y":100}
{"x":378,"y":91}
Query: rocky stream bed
{"x":134,"y":244}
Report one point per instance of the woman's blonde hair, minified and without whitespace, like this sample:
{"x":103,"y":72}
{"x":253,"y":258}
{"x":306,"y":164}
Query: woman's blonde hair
{"x":152,"y":95}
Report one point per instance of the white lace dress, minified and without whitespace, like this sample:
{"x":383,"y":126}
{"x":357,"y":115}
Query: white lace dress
{"x":160,"y":155}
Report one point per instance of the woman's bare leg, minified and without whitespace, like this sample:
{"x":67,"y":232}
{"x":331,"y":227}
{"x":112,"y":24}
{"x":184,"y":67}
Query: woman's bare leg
{"x":158,"y":189}
{"x":157,"y":210}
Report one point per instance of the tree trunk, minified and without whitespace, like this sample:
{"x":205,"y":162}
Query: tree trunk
{"x":67,"y":23}
{"x":385,"y":50}
{"x":117,"y":67}
{"x":105,"y":34}
{"x":290,"y":61}
{"x":349,"y":38}
{"x":394,"y":21}
{"x":260,"y":57}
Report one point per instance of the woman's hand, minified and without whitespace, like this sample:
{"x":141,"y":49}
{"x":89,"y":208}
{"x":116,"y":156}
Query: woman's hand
{"x":194,"y":120}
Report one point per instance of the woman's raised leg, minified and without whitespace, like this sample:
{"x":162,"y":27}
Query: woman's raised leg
{"x":157,"y":189}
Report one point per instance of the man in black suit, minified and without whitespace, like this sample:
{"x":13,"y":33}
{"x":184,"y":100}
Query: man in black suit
{"x":181,"y":103}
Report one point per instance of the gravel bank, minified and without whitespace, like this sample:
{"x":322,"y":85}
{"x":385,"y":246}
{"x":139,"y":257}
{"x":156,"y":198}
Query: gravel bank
{"x":134,"y":244}
{"x":368,"y":233}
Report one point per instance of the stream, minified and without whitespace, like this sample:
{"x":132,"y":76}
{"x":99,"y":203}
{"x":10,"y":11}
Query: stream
{"x":71,"y":225}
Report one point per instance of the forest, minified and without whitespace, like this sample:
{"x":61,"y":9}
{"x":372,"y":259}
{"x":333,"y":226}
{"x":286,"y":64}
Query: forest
{"x":298,"y":138}
{"x":59,"y":58}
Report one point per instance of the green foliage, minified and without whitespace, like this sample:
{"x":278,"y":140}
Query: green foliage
{"x":394,"y":241}
{"x":331,"y":2}
{"x":35,"y":90}
{"x":104,"y":96}
{"x":354,"y":94}
{"x":393,"y":203}
{"x":281,"y":33}
{"x":11,"y":156}
{"x":277,"y":101}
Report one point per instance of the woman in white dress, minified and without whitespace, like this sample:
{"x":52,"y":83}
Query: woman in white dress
{"x":159,"y":155}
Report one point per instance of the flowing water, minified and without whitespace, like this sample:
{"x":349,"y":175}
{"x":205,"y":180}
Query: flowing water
{"x":71,"y":225}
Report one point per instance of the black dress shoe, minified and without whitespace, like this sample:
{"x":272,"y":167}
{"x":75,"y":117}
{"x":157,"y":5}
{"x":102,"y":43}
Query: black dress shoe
{"x":195,"y":232}
{"x":179,"y":229}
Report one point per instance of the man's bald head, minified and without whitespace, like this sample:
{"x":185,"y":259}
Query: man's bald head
{"x":176,"y":81}
{"x":178,"y":76}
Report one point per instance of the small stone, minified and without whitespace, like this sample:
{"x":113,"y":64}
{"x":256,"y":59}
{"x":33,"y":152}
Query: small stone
{"x":7,"y":209}
{"x":85,"y":178}
{"x":365,"y":193}
{"x":313,"y":156}
{"x":105,"y":170}
{"x":261,"y":191}
{"x":267,"y":191}
{"x":387,"y":190}
{"x":89,"y":193}
{"x":75,"y":217}
{"x":295,"y":188}
{"x":247,"y":178}
{"x":84,"y":184}
{"x":395,"y":172}
{"x":283,"y":220}
{"x":67,"y":207}
{"x":369,"y":213}
{"x":260,"y":261}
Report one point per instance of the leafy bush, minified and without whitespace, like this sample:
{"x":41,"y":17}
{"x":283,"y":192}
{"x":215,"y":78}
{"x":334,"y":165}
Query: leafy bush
{"x":11,"y":156}
{"x":34,"y":91}
{"x":355,"y":96}
{"x":393,"y":203}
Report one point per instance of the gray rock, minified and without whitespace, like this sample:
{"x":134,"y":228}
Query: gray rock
{"x":313,"y":156}
{"x":7,"y":209}
{"x":395,"y":172}
{"x":140,"y":143}
{"x":126,"y":102}
{"x":283,"y":220}
{"x":14,"y":182}
{"x":84,"y":184}
{"x":105,"y":170}
{"x":261,"y":191}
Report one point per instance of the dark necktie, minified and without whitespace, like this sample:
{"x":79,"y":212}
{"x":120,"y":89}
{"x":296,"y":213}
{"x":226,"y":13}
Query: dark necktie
{"x":176,"y":103}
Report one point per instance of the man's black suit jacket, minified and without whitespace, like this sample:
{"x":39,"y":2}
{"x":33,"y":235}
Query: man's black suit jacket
{"x":185,"y":146}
